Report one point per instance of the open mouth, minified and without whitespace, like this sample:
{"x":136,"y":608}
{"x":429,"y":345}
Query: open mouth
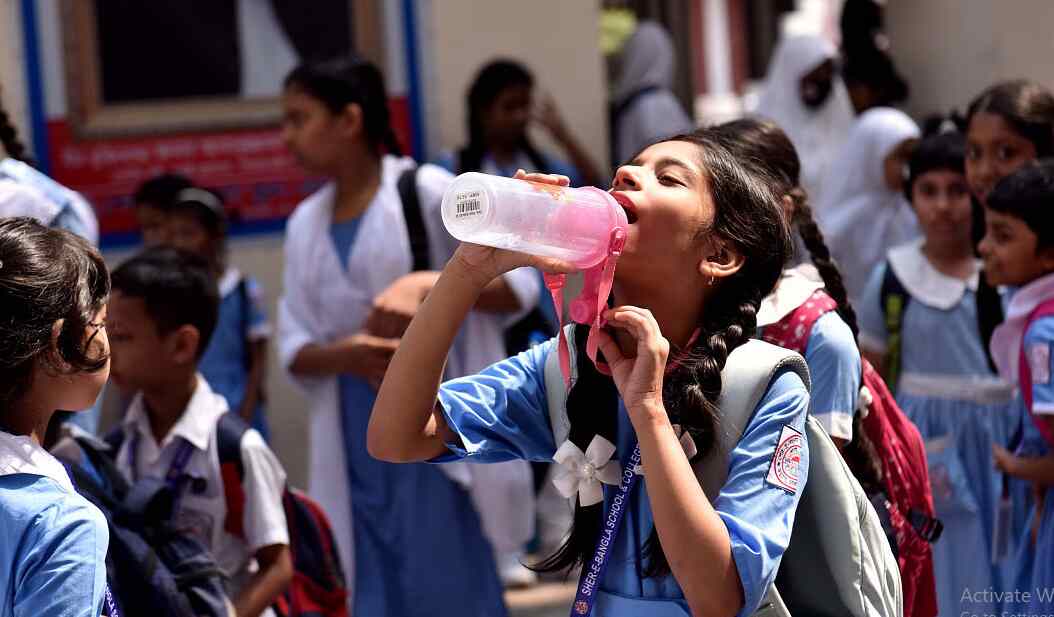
{"x":627,"y":205}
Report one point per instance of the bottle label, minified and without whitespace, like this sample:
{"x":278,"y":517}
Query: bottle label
{"x":468,"y":205}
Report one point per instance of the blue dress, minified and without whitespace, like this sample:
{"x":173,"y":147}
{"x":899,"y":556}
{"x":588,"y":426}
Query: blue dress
{"x":502,"y":414}
{"x":1035,"y":562}
{"x":52,"y":550}
{"x":419,"y":544}
{"x":241,"y":320}
{"x":947,"y":390}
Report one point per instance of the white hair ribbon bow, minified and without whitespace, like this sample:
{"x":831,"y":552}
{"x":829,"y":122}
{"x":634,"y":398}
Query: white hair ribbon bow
{"x":583,"y":472}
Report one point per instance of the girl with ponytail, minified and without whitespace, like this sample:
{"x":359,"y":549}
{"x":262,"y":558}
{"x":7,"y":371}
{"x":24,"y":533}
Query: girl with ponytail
{"x":358,"y":264}
{"x":706,"y":243}
{"x":809,"y":312}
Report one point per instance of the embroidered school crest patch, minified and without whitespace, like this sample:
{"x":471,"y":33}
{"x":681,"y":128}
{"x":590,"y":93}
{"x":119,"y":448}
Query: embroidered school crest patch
{"x":784,"y":469}
{"x":1039,"y":362}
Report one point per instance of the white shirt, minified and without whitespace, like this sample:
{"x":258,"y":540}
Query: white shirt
{"x":204,"y":513}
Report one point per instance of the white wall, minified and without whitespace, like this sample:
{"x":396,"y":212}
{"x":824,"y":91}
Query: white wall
{"x":950,"y":50}
{"x":557,"y":40}
{"x":12,"y":69}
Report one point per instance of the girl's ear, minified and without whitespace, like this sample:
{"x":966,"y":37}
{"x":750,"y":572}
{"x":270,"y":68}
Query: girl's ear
{"x":54,"y":363}
{"x":1046,"y":258}
{"x":721,"y":261}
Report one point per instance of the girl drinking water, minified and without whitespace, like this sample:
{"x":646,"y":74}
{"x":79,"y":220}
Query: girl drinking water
{"x":706,"y":242}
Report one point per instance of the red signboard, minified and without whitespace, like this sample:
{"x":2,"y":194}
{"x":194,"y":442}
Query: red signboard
{"x":258,"y":178}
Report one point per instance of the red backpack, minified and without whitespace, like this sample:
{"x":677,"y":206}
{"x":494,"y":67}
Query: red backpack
{"x":902,"y":456}
{"x":318,"y":588}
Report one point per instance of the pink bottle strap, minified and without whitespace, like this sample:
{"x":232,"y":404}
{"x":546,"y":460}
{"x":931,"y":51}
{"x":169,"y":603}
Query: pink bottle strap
{"x":555,"y":284}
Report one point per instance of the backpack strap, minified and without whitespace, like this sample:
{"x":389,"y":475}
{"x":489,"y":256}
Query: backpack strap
{"x":246,"y":318}
{"x":230,"y":429}
{"x":415,"y":223}
{"x":793,"y":331}
{"x":989,"y":315}
{"x":748,"y":372}
{"x":894,"y":298}
{"x":1024,"y":371}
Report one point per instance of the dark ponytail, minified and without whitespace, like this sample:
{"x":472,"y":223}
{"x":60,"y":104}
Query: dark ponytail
{"x":763,"y":145}
{"x":340,"y":82}
{"x":747,"y":217}
{"x":9,"y":139}
{"x":494,"y":78}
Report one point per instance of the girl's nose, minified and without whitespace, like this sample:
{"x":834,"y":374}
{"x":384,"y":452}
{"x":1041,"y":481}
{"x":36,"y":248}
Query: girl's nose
{"x":627,"y":178}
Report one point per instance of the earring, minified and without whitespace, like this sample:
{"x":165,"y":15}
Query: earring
{"x":711,"y":283}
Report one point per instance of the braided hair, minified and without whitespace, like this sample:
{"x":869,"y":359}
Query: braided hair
{"x":493,"y":79}
{"x":748,"y":218}
{"x":344,"y":81}
{"x":763,"y":145}
{"x":9,"y":139}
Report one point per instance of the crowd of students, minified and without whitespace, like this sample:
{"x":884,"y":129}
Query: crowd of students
{"x":927,"y":258}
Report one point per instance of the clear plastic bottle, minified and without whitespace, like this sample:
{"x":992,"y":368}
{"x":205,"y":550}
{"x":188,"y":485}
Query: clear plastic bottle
{"x":571,"y":224}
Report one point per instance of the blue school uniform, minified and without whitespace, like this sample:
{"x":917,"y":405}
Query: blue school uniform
{"x":242,"y":320}
{"x":395,"y":510}
{"x":960,"y":408}
{"x":502,"y":414}
{"x":1035,"y":562}
{"x":52,"y":541}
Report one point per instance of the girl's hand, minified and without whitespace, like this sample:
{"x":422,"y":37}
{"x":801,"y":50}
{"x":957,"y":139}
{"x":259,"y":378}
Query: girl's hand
{"x":368,"y":356}
{"x":547,"y":115}
{"x":394,"y":307}
{"x":1004,"y":460}
{"x":639,"y":376}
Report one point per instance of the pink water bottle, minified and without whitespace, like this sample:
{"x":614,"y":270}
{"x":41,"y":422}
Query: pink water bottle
{"x":570,"y":224}
{"x":583,"y":226}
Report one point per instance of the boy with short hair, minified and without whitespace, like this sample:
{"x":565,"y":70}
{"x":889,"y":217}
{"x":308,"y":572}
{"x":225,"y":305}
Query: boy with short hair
{"x":162,"y":312}
{"x":1018,"y":252}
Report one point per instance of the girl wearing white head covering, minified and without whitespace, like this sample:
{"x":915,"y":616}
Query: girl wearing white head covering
{"x":862,"y":209}
{"x":644,"y":109}
{"x":817,"y":128}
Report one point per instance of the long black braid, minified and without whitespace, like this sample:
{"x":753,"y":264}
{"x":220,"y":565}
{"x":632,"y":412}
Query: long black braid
{"x":748,"y":219}
{"x":763,"y":145}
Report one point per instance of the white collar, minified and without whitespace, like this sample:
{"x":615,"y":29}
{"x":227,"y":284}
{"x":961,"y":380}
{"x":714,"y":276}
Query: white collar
{"x":795,"y":286}
{"x":924,"y":282}
{"x":19,"y":454}
{"x":230,"y":279}
{"x":1006,"y":340}
{"x":195,"y":425}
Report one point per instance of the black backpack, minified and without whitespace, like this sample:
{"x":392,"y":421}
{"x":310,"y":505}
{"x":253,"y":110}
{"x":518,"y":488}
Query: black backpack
{"x":152,"y":567}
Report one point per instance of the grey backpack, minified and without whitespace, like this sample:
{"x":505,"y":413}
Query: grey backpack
{"x":838,"y":563}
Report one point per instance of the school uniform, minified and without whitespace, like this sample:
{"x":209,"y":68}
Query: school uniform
{"x":242,"y":321}
{"x":1034,"y":563}
{"x":52,"y":541}
{"x":960,"y":408}
{"x":831,"y":352}
{"x":202,"y":506}
{"x":502,"y":414}
{"x":384,"y":515}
